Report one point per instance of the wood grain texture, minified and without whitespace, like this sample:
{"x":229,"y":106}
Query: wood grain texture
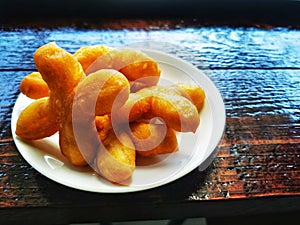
{"x":208,"y":47}
{"x":256,"y":168}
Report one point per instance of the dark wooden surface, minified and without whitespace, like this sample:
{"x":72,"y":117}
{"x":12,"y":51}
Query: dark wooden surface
{"x":256,"y":171}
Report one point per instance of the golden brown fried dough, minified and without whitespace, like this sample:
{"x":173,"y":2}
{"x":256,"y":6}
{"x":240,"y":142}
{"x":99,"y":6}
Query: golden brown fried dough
{"x":88,"y":54}
{"x":95,"y":95}
{"x":153,"y":139}
{"x":140,"y":70}
{"x":108,"y":85}
{"x":103,"y":125}
{"x":59,"y":69}
{"x":135,"y":65}
{"x":116,"y":159}
{"x":37,"y":121}
{"x":80,"y":107}
{"x":175,"y":110}
{"x":62,"y":73}
{"x":33,"y":86}
{"x":194,"y":93}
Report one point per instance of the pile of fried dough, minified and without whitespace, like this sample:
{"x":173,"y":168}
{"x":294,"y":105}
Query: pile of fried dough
{"x":102,"y":102}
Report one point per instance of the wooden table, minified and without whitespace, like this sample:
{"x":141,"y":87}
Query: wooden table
{"x":256,"y":172}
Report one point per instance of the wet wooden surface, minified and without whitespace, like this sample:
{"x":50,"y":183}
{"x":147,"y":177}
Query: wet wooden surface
{"x":256,"y":170}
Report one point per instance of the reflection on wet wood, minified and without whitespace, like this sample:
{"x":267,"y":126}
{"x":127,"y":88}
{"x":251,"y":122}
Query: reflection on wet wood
{"x":215,"y":48}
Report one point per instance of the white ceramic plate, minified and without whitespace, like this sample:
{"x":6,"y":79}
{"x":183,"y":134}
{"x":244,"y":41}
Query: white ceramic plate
{"x":194,"y":149}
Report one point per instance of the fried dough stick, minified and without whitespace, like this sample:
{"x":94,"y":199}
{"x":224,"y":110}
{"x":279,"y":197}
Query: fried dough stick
{"x":38,"y":120}
{"x":140,"y":70}
{"x":148,"y":138}
{"x":62,"y":72}
{"x":33,"y":86}
{"x":135,"y":65}
{"x":116,"y":158}
{"x":103,"y":126}
{"x":94,"y":97}
{"x":63,"y":80}
{"x":153,"y":139}
{"x":86,"y":55}
{"x":192,"y":92}
{"x":170,"y":104}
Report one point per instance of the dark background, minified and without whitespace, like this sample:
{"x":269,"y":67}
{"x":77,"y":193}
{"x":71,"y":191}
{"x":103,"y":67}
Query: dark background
{"x":281,"y":12}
